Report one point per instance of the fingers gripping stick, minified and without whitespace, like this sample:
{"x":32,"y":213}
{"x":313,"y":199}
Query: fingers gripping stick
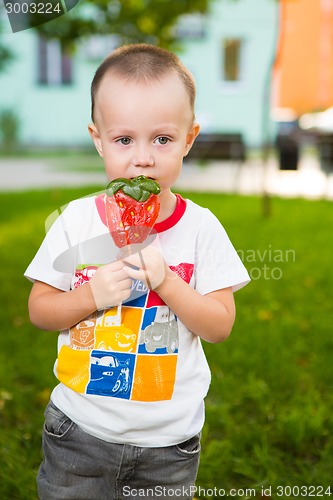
{"x":110,"y":285}
{"x":149,"y":266}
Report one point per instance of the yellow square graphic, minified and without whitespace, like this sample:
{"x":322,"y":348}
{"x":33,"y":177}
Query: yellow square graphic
{"x":154,"y":377}
{"x":73,"y":368}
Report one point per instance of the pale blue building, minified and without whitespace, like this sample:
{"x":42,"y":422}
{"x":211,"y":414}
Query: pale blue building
{"x":229,"y":52}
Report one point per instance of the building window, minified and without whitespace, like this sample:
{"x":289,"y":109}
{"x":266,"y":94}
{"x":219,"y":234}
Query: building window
{"x":54,"y":65}
{"x":191,"y":27}
{"x":232,"y":60}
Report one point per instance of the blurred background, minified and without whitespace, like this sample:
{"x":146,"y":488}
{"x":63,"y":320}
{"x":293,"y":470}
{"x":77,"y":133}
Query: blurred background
{"x":263,"y":163}
{"x":263,"y":70}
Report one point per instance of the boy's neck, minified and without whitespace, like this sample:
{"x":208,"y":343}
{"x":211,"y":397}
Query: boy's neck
{"x":168,"y":202}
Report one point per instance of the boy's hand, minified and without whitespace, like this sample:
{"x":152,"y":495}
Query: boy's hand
{"x":151,"y":264}
{"x":110,"y":285}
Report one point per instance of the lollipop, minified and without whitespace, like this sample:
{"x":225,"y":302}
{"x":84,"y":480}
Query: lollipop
{"x":132,"y":207}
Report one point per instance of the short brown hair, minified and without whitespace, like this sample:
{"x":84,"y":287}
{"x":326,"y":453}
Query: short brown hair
{"x":142,"y":62}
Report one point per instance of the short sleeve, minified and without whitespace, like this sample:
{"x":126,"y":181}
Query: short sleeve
{"x":76,"y":237}
{"x":217,"y":263}
{"x":44,"y":265}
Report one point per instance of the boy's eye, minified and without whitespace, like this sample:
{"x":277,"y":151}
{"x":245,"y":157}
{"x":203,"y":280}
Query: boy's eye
{"x":162,"y":140}
{"x":125,"y":141}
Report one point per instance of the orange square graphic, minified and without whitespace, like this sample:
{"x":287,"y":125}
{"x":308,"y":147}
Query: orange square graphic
{"x":132,"y":316}
{"x":117,"y":329}
{"x":154,"y":377}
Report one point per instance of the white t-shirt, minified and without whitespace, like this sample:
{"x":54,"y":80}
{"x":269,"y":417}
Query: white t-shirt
{"x":135,"y":374}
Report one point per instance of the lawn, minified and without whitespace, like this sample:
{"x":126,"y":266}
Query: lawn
{"x":269,"y":410}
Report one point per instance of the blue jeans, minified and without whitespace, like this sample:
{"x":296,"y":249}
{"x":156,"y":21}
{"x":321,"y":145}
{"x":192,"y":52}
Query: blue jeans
{"x":79,"y":466}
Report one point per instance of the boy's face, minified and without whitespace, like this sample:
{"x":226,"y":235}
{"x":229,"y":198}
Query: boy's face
{"x":143,"y":128}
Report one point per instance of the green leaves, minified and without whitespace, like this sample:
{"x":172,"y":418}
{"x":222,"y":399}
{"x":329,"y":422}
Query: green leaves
{"x":139,"y":188}
{"x":134,"y":21}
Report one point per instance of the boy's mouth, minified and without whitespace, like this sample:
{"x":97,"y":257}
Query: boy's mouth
{"x":151,"y":178}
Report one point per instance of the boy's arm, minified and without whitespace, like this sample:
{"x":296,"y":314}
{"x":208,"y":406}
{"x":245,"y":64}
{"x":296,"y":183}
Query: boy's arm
{"x":54,"y":309}
{"x":210,"y":316}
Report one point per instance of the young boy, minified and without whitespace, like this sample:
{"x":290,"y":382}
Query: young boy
{"x":125,"y":419}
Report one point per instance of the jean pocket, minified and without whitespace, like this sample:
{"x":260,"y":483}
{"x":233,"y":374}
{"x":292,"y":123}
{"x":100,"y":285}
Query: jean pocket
{"x":190,"y":446}
{"x":57,"y":423}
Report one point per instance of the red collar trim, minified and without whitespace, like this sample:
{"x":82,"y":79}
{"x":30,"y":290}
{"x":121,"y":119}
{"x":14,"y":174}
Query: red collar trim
{"x":159,"y":226}
{"x":175,"y":217}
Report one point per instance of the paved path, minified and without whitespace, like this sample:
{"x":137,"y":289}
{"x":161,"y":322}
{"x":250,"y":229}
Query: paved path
{"x":253,"y":178}
{"x":249,"y":178}
{"x":24,"y":174}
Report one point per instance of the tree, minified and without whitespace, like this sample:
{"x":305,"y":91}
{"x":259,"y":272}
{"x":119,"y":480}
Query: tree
{"x":5,"y":57}
{"x":149,"y":21}
{"x":5,"y":54}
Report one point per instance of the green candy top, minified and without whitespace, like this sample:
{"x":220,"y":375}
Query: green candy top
{"x":140,"y":188}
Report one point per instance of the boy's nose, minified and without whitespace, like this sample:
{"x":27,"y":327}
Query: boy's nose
{"x":143,"y":158}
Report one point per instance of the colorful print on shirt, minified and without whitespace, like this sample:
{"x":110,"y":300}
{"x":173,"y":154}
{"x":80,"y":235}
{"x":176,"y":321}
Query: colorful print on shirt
{"x":127,"y":352}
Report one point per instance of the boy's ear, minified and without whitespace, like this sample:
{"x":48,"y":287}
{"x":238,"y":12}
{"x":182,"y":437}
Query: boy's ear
{"x":93,"y":131}
{"x":191,"y":136}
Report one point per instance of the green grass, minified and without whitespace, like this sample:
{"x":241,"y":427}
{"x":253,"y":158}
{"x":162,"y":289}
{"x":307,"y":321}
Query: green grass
{"x":269,"y":410}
